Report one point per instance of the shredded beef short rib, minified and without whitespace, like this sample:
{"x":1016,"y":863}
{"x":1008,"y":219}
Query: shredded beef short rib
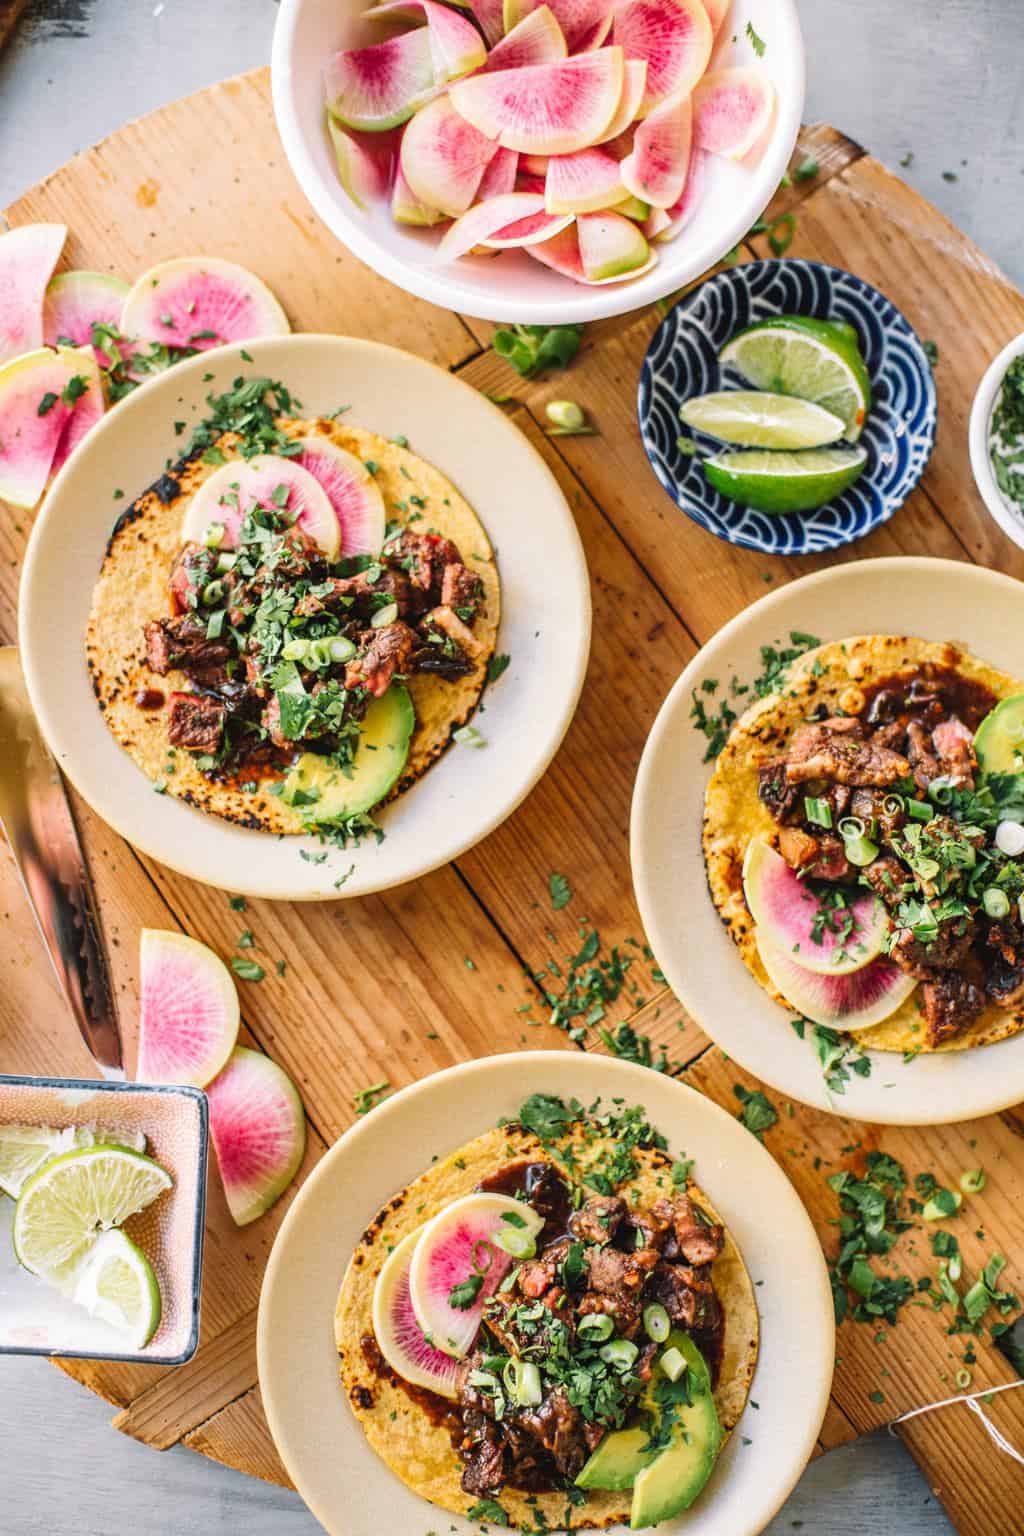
{"x":837,"y":750}
{"x":195,"y":721}
{"x":819,"y":858}
{"x":181,"y":643}
{"x":388,"y":652}
{"x":950,"y":1002}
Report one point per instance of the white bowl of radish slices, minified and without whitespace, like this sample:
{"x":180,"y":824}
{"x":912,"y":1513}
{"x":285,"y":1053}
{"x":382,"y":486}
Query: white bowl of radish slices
{"x":539,"y":163}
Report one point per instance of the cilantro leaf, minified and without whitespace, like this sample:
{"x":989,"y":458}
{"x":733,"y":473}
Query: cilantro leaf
{"x":561,"y":891}
{"x":530,"y":349}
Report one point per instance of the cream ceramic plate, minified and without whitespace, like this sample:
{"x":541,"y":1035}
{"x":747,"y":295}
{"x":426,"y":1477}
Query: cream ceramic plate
{"x":937,"y":599}
{"x":350,"y":1491}
{"x":545,"y":625}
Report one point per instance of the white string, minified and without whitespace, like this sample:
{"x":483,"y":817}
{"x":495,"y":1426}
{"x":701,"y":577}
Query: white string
{"x":973,"y":1403}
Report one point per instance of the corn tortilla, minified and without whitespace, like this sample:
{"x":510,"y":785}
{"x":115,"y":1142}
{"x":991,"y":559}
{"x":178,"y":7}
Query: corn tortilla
{"x":132,"y":589}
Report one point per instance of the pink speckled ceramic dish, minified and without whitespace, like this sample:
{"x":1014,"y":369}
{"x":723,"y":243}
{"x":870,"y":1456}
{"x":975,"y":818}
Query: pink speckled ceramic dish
{"x":36,"y":1320}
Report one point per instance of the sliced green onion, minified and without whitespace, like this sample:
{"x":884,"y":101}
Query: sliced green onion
{"x":963,"y":1378}
{"x":214,"y":535}
{"x":597,"y":1326}
{"x":672,"y":1363}
{"x":318,"y":653}
{"x":528,"y":1389}
{"x":995,"y":901}
{"x":919,"y":810}
{"x":485,"y":1379}
{"x":481,"y":1250}
{"x":955,"y":1267}
{"x":227,"y":562}
{"x":386,"y":615}
{"x":941,"y":791}
{"x":520,"y":1244}
{"x":894,"y":805}
{"x":973,"y":1180}
{"x":295,"y":650}
{"x":341,"y":649}
{"x":657,"y":1324}
{"x":620,"y":1354}
{"x":213,"y":593}
{"x":565,"y":414}
{"x":818,"y":812}
{"x":851,"y":826}
{"x":944,"y":1202}
{"x":860,"y":851}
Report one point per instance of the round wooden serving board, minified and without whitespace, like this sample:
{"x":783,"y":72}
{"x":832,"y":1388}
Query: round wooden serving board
{"x":405,"y":983}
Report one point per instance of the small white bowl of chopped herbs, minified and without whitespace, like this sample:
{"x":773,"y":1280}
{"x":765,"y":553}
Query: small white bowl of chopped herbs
{"x":996,"y":437}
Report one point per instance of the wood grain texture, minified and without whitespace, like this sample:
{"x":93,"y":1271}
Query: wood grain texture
{"x":459,"y":965}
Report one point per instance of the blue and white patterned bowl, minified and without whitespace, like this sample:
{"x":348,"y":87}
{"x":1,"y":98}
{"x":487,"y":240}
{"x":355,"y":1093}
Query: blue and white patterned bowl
{"x":682,"y":361}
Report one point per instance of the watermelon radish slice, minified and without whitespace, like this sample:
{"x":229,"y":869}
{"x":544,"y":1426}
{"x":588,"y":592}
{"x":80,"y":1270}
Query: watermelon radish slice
{"x":490,"y":19}
{"x":359,"y":171}
{"x":76,"y":301}
{"x":561,"y":253}
{"x":680,"y":214}
{"x":379,"y":87}
{"x":583,"y":182}
{"x":545,"y":109}
{"x":352,"y":492}
{"x":444,"y":157}
{"x":235,"y":488}
{"x":28,"y":256}
{"x":188,"y":1011}
{"x":732,"y":111}
{"x":453,"y":1247}
{"x":87,"y":409}
{"x":398,"y":1334}
{"x":500,"y":175}
{"x":656,"y":223}
{"x":456,"y":46}
{"x":581,"y":22}
{"x":258,"y":1130}
{"x":675,"y":38}
{"x":611,"y":246}
{"x":850,"y":1002}
{"x":490,"y":224}
{"x":36,"y":403}
{"x":537,"y":39}
{"x":633,"y":87}
{"x":634,"y":208}
{"x":655,"y":168}
{"x":201,"y":302}
{"x":406,"y":207}
{"x":790,"y":914}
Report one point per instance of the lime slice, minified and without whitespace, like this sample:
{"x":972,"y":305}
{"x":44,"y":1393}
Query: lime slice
{"x":116,"y":1283}
{"x":757,"y":420}
{"x":23,"y":1149}
{"x":816,"y":360}
{"x":73,"y":1197}
{"x":785,"y":482}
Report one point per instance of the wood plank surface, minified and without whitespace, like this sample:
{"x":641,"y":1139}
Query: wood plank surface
{"x":380,"y":988}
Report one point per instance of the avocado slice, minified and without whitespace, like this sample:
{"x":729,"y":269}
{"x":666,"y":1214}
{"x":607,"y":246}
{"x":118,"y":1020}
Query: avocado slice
{"x":677,"y":1474}
{"x":325,"y":793}
{"x":617,"y":1460}
{"x":999,"y":739}
{"x":666,"y":1481}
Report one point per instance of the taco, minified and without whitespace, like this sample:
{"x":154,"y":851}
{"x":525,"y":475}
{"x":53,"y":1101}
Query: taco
{"x":550,"y":1327}
{"x":862,"y":840}
{"x":254,"y":666}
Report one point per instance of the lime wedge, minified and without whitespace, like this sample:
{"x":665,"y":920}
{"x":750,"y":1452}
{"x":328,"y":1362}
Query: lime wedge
{"x":817,"y":360}
{"x":23,"y":1149}
{"x":70,"y":1199}
{"x":785,"y":482}
{"x":116,"y":1283}
{"x":757,"y":420}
